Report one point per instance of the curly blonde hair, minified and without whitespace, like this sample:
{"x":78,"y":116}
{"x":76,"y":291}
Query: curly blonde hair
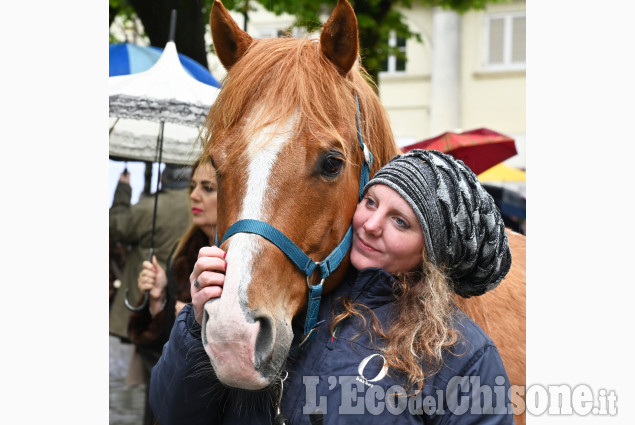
{"x":421,"y":329}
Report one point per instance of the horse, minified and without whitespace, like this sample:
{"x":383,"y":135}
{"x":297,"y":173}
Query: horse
{"x":291,"y":136}
{"x":501,"y":313}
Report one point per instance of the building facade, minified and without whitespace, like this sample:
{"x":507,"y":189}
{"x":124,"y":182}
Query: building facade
{"x":468,"y":72}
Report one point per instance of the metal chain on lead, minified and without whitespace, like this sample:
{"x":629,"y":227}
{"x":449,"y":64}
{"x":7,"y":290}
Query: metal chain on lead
{"x":280,"y":418}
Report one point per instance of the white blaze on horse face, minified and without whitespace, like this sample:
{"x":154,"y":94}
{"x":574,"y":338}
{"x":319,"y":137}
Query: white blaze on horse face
{"x":231,"y":330}
{"x":245,"y":246}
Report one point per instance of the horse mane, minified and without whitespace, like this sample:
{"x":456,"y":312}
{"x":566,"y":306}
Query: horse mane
{"x":290,"y":77}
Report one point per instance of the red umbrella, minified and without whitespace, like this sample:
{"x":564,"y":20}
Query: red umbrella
{"x":479,"y":149}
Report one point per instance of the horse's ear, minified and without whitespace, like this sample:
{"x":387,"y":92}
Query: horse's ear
{"x":339,"y":40}
{"x":230,"y":42}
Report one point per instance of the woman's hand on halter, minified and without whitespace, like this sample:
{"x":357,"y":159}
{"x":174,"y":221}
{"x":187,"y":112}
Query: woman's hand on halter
{"x":153,"y":278}
{"x":209,"y":274}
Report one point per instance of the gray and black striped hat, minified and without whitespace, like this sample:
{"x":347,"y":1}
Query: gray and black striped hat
{"x":463,"y":229}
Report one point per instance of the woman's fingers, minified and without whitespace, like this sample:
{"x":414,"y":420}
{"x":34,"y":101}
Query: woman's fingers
{"x":209,"y":264}
{"x":211,"y":251}
{"x":146,"y":265}
{"x":209,"y":258}
{"x":210,"y":279}
{"x":207,"y":278}
{"x":202,"y":296}
{"x":146,"y":280}
{"x":208,"y":271}
{"x":206,"y":294}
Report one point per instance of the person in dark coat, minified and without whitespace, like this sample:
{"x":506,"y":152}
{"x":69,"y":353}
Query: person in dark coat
{"x":169,"y":288}
{"x":132,"y":225}
{"x":393,"y":348}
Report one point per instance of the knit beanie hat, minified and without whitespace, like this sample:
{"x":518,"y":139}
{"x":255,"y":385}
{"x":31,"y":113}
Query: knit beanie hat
{"x":463,"y":229}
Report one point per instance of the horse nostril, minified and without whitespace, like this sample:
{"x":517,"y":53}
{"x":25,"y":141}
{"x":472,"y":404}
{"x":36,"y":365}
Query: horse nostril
{"x":264,"y":341}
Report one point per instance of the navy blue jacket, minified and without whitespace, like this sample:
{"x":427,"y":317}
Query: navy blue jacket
{"x":342,"y":376}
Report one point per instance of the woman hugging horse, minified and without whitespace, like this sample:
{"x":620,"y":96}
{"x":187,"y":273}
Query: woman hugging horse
{"x":392,"y":347}
{"x":294,"y":136}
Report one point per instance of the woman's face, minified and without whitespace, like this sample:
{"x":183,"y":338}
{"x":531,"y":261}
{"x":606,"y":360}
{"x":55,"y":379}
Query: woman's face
{"x":203,"y":198}
{"x":386,"y":232}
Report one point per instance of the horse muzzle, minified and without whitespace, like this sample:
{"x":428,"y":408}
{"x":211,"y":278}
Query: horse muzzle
{"x":247,"y":349}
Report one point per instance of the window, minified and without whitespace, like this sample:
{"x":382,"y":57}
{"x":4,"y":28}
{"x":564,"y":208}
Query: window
{"x":393,"y":64}
{"x":505,"y":41}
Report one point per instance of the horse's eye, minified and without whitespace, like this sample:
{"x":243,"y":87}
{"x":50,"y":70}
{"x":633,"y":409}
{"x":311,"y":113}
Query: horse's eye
{"x":331,"y":165}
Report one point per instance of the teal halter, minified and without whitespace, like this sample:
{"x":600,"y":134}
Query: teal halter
{"x":295,"y":254}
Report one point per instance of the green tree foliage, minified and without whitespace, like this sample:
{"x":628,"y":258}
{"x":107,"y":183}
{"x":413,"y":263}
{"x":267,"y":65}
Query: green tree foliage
{"x":376,"y":19}
{"x":191,"y":23}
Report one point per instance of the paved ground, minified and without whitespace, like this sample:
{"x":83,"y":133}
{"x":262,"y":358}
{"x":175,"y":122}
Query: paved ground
{"x":126,"y":403}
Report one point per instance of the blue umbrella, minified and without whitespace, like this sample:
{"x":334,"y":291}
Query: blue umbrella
{"x":127,"y":58}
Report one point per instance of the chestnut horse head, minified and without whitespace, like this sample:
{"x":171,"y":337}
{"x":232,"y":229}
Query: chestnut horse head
{"x":283,"y":137}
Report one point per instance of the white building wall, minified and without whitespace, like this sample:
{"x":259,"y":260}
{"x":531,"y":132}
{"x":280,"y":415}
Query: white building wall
{"x":491,"y":99}
{"x":406,"y":96}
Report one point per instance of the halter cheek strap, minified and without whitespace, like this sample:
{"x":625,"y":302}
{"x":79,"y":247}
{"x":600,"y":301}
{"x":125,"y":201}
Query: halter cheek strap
{"x":368,"y":156}
{"x":299,"y":258}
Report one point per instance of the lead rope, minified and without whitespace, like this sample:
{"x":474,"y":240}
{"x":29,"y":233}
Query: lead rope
{"x":316,"y":418}
{"x":280,"y":418}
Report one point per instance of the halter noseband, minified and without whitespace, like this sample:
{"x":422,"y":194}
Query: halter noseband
{"x":299,"y":258}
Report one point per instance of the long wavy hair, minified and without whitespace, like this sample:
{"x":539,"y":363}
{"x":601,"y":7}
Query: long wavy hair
{"x":422,"y":328}
{"x":186,"y":254}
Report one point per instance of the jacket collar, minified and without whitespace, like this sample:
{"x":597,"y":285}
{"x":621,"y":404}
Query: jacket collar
{"x":371,"y":286}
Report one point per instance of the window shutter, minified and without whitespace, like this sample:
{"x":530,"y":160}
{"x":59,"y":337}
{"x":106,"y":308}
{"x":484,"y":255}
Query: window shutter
{"x":505,"y":41}
{"x":518,"y":39}
{"x":496,"y":40}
